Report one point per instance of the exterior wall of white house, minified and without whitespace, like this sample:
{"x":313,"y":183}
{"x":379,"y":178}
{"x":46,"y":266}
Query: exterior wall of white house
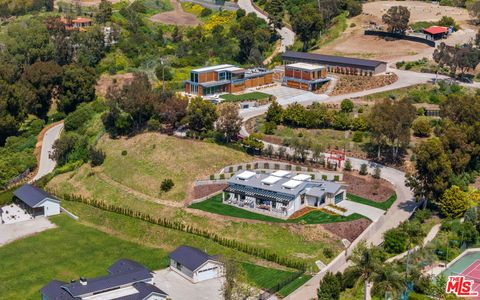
{"x":184,"y":271}
{"x":209,"y":270}
{"x":50,"y":208}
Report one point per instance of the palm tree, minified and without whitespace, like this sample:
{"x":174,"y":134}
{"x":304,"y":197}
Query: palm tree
{"x":387,"y":279}
{"x":366,"y":262}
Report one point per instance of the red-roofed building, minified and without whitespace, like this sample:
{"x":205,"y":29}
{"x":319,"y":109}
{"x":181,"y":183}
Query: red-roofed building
{"x":78,"y":23}
{"x":436,"y":32}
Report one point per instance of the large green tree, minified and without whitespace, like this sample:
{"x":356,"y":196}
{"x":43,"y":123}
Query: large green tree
{"x":366,"y":262}
{"x":78,"y":85}
{"x":307,"y":24}
{"x":104,"y":12}
{"x":201,"y":115}
{"x":397,"y":18}
{"x":453,"y":203}
{"x":275,"y":11}
{"x":433,"y":170}
{"x":330,"y":287}
{"x":229,"y":121}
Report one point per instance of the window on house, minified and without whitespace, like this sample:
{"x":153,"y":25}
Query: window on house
{"x":221,"y":76}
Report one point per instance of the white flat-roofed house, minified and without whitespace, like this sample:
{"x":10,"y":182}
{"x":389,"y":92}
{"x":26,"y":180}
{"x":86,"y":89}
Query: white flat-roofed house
{"x":280,"y":195}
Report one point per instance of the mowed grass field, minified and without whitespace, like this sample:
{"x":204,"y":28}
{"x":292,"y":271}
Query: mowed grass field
{"x":73,"y":249}
{"x":67,"y":252}
{"x":152,"y":157}
{"x":286,"y":239}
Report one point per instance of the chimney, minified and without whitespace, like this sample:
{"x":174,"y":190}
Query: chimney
{"x":83,"y":280}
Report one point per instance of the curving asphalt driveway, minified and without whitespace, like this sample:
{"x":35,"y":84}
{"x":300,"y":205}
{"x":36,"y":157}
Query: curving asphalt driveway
{"x":46,"y":164}
{"x":288,"y":36}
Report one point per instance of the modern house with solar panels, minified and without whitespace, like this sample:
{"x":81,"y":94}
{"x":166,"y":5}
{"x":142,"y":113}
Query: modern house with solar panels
{"x":281,"y":193}
{"x":337,"y":64}
{"x":126,"y":280}
{"x":305,"y":76}
{"x":225,"y":79}
{"x":36,"y":201}
{"x":195,"y":265}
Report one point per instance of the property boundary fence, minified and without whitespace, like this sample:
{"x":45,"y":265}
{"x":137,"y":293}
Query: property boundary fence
{"x":401,"y":37}
{"x":266,"y":165}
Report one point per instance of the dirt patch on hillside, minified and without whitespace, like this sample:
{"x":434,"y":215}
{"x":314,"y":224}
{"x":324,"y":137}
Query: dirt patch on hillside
{"x":107,"y":80}
{"x":419,"y":10}
{"x":378,"y":190}
{"x":348,"y":230}
{"x":176,"y":17}
{"x":200,"y":191}
{"x":353,"y":83}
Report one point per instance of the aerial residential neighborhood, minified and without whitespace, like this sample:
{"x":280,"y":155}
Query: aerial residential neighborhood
{"x":239,"y":149}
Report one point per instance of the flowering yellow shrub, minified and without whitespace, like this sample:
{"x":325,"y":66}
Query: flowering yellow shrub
{"x":192,"y":8}
{"x":219,"y":19}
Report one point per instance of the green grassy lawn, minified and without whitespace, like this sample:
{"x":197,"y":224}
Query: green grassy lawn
{"x":382,"y":205}
{"x":6,"y":197}
{"x":215,"y":205}
{"x":67,"y":252}
{"x":266,"y":278}
{"x":253,"y":96}
{"x":292,"y":286}
{"x":153,"y":157}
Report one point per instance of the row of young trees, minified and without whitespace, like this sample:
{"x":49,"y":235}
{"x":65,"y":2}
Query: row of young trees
{"x":181,"y":226}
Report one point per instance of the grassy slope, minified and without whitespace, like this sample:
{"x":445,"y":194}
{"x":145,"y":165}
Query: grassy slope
{"x":382,"y":205}
{"x":292,"y":286}
{"x":153,"y":157}
{"x":67,"y":252}
{"x":265,"y":277}
{"x":215,"y":205}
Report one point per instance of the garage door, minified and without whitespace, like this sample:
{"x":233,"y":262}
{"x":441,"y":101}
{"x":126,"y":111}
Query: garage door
{"x":207,"y":274}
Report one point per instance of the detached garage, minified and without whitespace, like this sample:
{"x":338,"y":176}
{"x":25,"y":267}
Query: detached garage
{"x":194,"y":264}
{"x":36,"y":201}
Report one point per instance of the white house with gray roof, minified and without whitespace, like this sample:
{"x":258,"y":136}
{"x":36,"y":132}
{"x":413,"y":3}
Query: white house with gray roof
{"x":280,"y":193}
{"x":195,"y":265}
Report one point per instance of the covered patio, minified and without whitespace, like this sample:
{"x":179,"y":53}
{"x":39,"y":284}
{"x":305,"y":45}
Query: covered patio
{"x":260,"y":201}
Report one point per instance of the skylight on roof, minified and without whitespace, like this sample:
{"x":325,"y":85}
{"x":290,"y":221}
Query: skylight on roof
{"x":271,"y":180}
{"x":280,"y":173}
{"x":246,"y":175}
{"x":302,"y":177}
{"x":291,"y":184}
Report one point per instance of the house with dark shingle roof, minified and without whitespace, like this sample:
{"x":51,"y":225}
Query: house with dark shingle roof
{"x":36,"y":201}
{"x":195,"y":265}
{"x":126,"y":280}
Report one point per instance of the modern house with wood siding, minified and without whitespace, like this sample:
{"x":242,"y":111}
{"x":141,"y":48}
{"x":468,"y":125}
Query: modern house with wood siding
{"x":225,"y":79}
{"x":337,"y":64}
{"x":305,"y":76}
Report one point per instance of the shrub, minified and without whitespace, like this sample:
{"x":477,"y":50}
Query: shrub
{"x":328,"y":252}
{"x":346,"y":106}
{"x":154,"y":125}
{"x":78,"y":118}
{"x":324,"y":177}
{"x":348,"y":165}
{"x":230,"y":169}
{"x":377,"y":173}
{"x":336,"y":178}
{"x":270,"y":127}
{"x":222,"y":176}
{"x":400,"y":64}
{"x":421,"y":127}
{"x":363,"y":169}
{"x":97,"y":157}
{"x":212,"y":177}
{"x":249,"y":167}
{"x":206,"y":12}
{"x":124,"y":152}
{"x":395,"y":241}
{"x":357,"y":137}
{"x":454,"y":202}
{"x":277,"y":167}
{"x":167,"y":184}
{"x":298,"y":168}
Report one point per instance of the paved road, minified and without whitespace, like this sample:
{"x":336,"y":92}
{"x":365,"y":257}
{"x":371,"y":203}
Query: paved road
{"x":288,"y":36}
{"x":46,"y":165}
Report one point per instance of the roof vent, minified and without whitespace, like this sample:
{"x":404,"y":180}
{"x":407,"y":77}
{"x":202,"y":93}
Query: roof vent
{"x":83,"y":280}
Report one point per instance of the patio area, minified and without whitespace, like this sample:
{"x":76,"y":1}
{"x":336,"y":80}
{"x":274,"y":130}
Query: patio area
{"x":267,"y":207}
{"x":14,"y":213}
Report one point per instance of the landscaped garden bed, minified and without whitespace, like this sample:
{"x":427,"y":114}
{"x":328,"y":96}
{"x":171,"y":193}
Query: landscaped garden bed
{"x":367,"y":187}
